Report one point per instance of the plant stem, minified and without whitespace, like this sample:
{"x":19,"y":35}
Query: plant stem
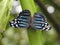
{"x":28,"y":4}
{"x":35,"y":36}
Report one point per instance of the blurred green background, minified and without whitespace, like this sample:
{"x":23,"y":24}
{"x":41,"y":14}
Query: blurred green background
{"x":19,"y":36}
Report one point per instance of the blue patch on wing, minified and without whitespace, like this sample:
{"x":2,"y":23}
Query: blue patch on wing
{"x":39,"y":22}
{"x":22,"y":20}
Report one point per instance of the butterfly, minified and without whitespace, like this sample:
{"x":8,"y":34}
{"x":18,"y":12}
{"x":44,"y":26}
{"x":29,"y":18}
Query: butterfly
{"x":24,"y":20}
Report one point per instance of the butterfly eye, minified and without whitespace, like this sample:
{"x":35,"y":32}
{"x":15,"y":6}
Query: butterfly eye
{"x":22,"y":20}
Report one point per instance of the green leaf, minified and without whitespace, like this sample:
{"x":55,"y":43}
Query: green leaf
{"x":5,"y":8}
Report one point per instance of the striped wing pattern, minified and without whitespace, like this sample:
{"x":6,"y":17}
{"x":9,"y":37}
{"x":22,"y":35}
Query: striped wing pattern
{"x":24,"y":21}
{"x":39,"y":22}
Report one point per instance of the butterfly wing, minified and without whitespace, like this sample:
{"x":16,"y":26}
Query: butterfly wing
{"x":39,"y":22}
{"x":22,"y":20}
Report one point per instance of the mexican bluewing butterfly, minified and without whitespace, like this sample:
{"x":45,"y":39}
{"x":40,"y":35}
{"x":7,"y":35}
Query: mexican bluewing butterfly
{"x":24,"y":21}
